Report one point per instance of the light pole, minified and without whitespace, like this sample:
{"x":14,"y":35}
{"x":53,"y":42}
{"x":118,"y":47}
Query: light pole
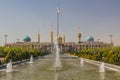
{"x":111,"y":42}
{"x":5,"y":39}
{"x":58,"y":13}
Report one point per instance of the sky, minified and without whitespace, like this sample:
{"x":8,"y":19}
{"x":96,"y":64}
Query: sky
{"x":98,"y":18}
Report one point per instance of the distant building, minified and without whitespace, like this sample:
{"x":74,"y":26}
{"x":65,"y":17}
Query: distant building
{"x":64,"y":46}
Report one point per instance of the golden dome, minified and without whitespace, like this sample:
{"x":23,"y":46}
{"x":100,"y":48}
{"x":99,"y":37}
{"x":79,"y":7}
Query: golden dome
{"x":58,"y":39}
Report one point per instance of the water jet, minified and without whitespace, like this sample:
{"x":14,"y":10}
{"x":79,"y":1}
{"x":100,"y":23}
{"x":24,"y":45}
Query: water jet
{"x":81,"y":61}
{"x":31,"y":59}
{"x":102,"y":67}
{"x":57,"y":57}
{"x":9,"y":67}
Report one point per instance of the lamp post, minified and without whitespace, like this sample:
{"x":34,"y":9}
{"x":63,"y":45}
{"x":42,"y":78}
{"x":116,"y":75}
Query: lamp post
{"x":111,"y":42}
{"x":58,"y":13}
{"x":5,"y":39}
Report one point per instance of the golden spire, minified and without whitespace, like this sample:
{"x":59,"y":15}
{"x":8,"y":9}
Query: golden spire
{"x":51,"y":34}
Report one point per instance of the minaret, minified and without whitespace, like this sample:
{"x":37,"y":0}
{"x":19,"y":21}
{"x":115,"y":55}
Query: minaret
{"x":64,"y":38}
{"x":79,"y":37}
{"x":39,"y":37}
{"x":51,"y":35}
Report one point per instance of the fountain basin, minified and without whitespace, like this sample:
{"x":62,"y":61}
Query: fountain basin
{"x":71,"y":70}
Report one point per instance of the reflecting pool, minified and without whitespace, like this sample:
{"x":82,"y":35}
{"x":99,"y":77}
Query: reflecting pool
{"x":42,"y":69}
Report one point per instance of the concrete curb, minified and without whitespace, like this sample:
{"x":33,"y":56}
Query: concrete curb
{"x":108,"y":66}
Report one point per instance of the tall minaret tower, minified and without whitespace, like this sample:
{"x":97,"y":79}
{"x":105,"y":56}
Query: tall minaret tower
{"x":51,"y":35}
{"x":79,"y":37}
{"x":38,"y":37}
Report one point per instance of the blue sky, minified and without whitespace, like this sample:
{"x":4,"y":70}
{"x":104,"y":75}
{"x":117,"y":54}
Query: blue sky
{"x":99,"y":18}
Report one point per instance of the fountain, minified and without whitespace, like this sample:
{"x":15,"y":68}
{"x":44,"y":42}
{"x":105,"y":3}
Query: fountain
{"x":31,"y":59}
{"x":102,"y":67}
{"x":9,"y":67}
{"x":81,"y":61}
{"x":70,"y":71}
{"x":57,"y":57}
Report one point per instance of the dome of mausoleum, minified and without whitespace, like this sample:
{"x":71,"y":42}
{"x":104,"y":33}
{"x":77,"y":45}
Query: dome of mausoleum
{"x":89,"y":38}
{"x":27,"y":39}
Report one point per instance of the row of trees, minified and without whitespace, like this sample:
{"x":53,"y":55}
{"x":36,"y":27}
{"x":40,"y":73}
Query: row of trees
{"x":18,"y":54}
{"x":108,"y":55}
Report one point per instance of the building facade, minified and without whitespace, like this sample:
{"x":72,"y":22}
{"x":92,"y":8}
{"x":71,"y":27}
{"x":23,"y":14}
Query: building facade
{"x":64,"y":46}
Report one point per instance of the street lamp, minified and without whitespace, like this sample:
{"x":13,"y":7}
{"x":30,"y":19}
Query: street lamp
{"x":111,"y":42}
{"x":5,"y":39}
